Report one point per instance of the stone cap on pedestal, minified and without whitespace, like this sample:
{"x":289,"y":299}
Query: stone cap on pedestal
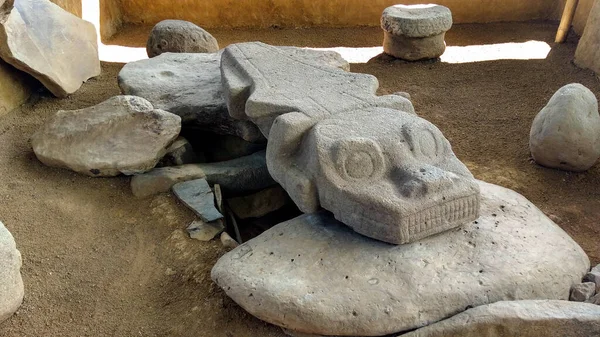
{"x":416,"y":20}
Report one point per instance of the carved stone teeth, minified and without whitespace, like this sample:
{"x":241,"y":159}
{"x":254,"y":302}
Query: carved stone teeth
{"x":451,"y":211}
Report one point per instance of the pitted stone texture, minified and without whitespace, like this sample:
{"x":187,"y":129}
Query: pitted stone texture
{"x":416,"y":20}
{"x":566,"y":132}
{"x":11,"y":283}
{"x":123,"y":134}
{"x":389,"y":175}
{"x":189,"y":85}
{"x":178,"y":36}
{"x":519,"y":318}
{"x":314,"y":275}
{"x":62,"y":58}
{"x":262,"y":82}
{"x":237,"y":176}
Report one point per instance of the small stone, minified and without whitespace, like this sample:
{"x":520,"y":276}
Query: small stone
{"x":594,"y":277}
{"x":203,"y":231}
{"x":218,"y":197}
{"x":415,"y":32}
{"x":582,"y":292}
{"x":228,"y":241}
{"x":179,"y":153}
{"x":242,"y":175}
{"x":178,"y":36}
{"x":259,"y":204}
{"x":596,"y":269}
{"x":49,"y":43}
{"x":594,"y":300}
{"x":11,"y":283}
{"x":123,"y":134}
{"x":566,"y":132}
{"x":197,"y":195}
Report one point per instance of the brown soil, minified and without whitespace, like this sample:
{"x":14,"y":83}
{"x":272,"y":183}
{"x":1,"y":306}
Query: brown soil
{"x":98,"y":262}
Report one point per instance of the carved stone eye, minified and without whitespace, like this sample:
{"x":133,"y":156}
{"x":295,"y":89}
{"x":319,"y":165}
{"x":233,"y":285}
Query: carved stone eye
{"x":423,"y":142}
{"x":359,"y":159}
{"x":428,"y":144}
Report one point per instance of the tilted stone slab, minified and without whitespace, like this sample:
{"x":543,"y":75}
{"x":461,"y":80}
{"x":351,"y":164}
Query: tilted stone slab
{"x":333,"y":143}
{"x":51,"y":44}
{"x":198,"y":196}
{"x":520,"y":318}
{"x":11,"y":283}
{"x":123,"y":134}
{"x":189,"y":85}
{"x":314,"y":275}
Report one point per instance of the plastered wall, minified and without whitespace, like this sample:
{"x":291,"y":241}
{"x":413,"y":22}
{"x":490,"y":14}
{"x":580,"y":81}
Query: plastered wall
{"x":335,"y":13}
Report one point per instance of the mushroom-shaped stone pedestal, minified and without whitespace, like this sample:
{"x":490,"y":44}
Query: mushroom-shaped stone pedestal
{"x":415,"y":32}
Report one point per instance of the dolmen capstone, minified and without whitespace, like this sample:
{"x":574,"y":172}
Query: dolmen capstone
{"x":333,"y":143}
{"x":565,"y":134}
{"x":398,"y":234}
{"x":51,"y":44}
{"x":415,"y":32}
{"x":11,"y":283}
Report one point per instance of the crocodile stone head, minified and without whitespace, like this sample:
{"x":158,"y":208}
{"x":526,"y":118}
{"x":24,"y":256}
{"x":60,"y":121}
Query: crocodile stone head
{"x":388,"y":174}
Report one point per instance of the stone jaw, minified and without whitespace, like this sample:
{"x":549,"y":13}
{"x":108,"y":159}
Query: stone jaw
{"x":333,"y":143}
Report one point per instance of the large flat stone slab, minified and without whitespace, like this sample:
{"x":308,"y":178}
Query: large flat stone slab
{"x":123,"y":134}
{"x":53,"y":45}
{"x":11,"y":283}
{"x":314,"y":275}
{"x":520,"y":318}
{"x":189,"y":85}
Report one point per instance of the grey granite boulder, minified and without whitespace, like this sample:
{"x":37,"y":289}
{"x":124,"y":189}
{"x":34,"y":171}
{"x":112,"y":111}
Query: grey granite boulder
{"x":565,"y":134}
{"x":189,"y":85}
{"x":54,"y":46}
{"x":519,"y":318}
{"x":178,"y":36}
{"x":415,"y":32}
{"x":11,"y":283}
{"x":314,"y":275}
{"x":333,"y":143}
{"x":123,"y":134}
{"x":237,"y":176}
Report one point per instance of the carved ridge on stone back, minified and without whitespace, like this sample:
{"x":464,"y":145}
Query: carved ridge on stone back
{"x":332,"y":143}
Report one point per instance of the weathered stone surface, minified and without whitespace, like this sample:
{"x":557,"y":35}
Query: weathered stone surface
{"x":416,"y":20}
{"x":415,"y":32}
{"x":197,"y":195}
{"x":582,"y":292}
{"x":15,"y":87}
{"x":566,"y":132}
{"x":54,"y":46}
{"x":200,"y":230}
{"x":178,"y":36}
{"x":189,"y":85}
{"x":519,"y":318}
{"x":179,"y":153}
{"x":11,"y":284}
{"x":236,"y":176}
{"x":594,"y":300}
{"x":314,"y":275}
{"x":386,"y":173}
{"x":123,"y":134}
{"x":227,"y":241}
{"x":593,"y":276}
{"x":258,"y":204}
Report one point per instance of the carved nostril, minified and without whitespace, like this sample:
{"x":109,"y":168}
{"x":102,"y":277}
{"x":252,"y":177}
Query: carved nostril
{"x":414,"y":188}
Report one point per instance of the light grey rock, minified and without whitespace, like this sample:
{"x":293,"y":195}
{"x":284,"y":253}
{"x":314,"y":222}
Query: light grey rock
{"x":519,"y":318}
{"x":403,"y":94}
{"x":386,"y":173}
{"x":259,"y":204}
{"x":314,"y":275}
{"x":197,"y":195}
{"x":203,"y":231}
{"x":49,"y":43}
{"x":596,"y":269}
{"x":594,"y":300}
{"x":594,"y":277}
{"x":179,"y":153}
{"x":228,"y":241}
{"x":178,"y":36}
{"x":123,"y":134}
{"x":242,"y":175}
{"x":582,"y":292}
{"x":189,"y":85}
{"x":218,"y":197}
{"x":566,"y":132}
{"x":415,"y":32}
{"x":11,"y":283}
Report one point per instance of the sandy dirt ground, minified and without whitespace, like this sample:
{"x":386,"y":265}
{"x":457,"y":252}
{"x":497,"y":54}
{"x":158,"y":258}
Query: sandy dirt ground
{"x":98,"y":262}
